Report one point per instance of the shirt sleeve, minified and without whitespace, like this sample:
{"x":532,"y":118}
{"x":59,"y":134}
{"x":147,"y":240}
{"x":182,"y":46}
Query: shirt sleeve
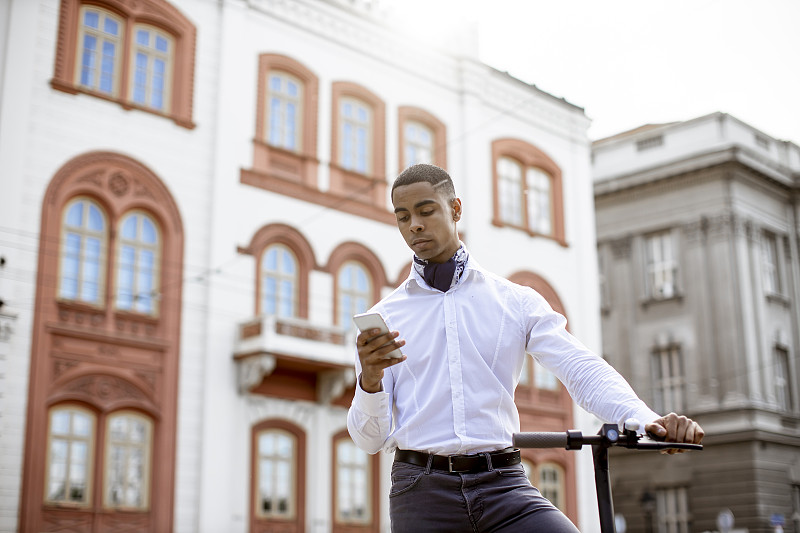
{"x":369,"y":419}
{"x":591,"y":381}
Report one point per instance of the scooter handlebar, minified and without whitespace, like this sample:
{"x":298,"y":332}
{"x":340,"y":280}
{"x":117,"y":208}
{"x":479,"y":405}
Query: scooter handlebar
{"x":541,"y":439}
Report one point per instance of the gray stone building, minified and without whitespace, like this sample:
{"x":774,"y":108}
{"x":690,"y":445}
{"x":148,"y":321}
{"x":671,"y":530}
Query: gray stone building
{"x":698,"y":228}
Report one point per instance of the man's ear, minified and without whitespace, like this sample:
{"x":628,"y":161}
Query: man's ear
{"x":456,"y":208}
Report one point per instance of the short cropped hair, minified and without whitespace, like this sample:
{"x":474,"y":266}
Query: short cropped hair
{"x":438,"y":178}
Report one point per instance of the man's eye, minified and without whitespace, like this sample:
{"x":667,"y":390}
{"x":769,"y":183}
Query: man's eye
{"x":426,"y":213}
{"x":402,"y":219}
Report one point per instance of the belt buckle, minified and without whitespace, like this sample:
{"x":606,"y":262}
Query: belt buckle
{"x":450,"y":465}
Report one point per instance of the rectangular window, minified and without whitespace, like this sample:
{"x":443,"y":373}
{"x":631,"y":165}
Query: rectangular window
{"x":128,"y":443}
{"x":284,"y":111}
{"x":279,"y":281}
{"x":772,"y":279}
{"x":99,"y":45}
{"x":137,"y":266}
{"x":668,"y":380}
{"x":509,"y":174}
{"x":69,"y":455}
{"x":672,"y":510}
{"x":355,"y":143}
{"x":275,"y":485}
{"x":539,"y":201}
{"x":662,"y":268}
{"x":783,"y":381}
{"x":150,"y":67}
{"x":352,"y":484}
{"x":418,"y":144}
{"x":83,"y":252}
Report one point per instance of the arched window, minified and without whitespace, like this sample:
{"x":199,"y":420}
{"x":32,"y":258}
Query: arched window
{"x":352,"y":476}
{"x":151,"y":68}
{"x":137,"y":264}
{"x":128,"y":452}
{"x":284,"y":111}
{"x":422,"y":138}
{"x":276,"y":477}
{"x":527,"y":190}
{"x":99,"y":51}
{"x":279,"y":281}
{"x":83,"y":252}
{"x":354,"y":292}
{"x":70,"y":455}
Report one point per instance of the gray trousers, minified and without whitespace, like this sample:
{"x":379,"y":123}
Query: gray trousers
{"x":425,"y":500}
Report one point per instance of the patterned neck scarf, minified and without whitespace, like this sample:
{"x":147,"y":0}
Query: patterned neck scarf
{"x":443,"y":276}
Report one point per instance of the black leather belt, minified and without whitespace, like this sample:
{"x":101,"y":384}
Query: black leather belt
{"x":460,"y":463}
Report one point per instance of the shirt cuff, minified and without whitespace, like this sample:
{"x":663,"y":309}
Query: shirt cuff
{"x":645,"y":416}
{"x":373,"y":404}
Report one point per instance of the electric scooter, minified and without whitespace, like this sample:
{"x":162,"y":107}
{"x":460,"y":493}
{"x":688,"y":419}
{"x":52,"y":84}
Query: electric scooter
{"x":608,"y":436}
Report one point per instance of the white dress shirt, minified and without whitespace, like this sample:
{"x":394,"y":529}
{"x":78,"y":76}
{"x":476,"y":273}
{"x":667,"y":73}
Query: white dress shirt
{"x":455,"y":392}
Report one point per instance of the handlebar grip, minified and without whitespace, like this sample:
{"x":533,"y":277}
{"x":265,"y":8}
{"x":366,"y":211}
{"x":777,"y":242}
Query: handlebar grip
{"x":540,"y":439}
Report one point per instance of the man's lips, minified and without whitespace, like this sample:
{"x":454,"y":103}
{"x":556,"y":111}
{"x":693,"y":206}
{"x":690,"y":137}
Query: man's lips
{"x":417,"y":242}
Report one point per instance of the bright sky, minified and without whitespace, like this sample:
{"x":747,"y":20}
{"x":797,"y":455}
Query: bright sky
{"x":633,"y":62}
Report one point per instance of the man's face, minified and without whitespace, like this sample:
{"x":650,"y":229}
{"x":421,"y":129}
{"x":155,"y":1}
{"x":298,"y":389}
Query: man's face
{"x":427,"y":221}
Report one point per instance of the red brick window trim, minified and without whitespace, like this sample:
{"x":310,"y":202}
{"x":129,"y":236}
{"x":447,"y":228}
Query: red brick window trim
{"x":367,"y":185}
{"x":281,"y":234}
{"x":535,"y":169}
{"x":171,"y":39}
{"x":408,"y":117}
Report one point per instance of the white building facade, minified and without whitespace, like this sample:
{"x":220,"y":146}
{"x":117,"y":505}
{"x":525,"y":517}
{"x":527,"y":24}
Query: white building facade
{"x":195,"y":201}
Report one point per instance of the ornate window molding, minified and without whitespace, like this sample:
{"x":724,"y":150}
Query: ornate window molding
{"x":143,"y":85}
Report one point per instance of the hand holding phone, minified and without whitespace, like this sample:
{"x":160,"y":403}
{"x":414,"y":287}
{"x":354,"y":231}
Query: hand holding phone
{"x":368,"y":321}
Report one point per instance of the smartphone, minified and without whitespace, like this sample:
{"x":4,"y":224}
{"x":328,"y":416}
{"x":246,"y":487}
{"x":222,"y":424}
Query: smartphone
{"x":367,"y":321}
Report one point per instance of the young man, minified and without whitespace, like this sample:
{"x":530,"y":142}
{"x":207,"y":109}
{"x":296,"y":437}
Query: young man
{"x":447,"y":406}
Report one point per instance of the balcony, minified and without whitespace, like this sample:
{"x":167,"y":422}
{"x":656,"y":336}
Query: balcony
{"x":293,"y":359}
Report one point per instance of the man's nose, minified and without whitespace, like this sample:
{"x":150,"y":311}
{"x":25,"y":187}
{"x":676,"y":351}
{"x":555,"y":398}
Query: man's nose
{"x":416,"y":225}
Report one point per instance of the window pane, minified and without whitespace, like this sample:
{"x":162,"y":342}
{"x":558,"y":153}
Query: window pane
{"x":354,"y":292}
{"x":355,"y":123}
{"x":99,"y":50}
{"x":276,"y":467}
{"x":82,"y":253}
{"x":509,"y":174}
{"x":279,"y":281}
{"x":70,"y":438}
{"x":539,"y":201}
{"x":128,"y":455}
{"x":284,"y":110}
{"x":137,"y":264}
{"x":352,"y":484}
{"x":151,"y":68}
